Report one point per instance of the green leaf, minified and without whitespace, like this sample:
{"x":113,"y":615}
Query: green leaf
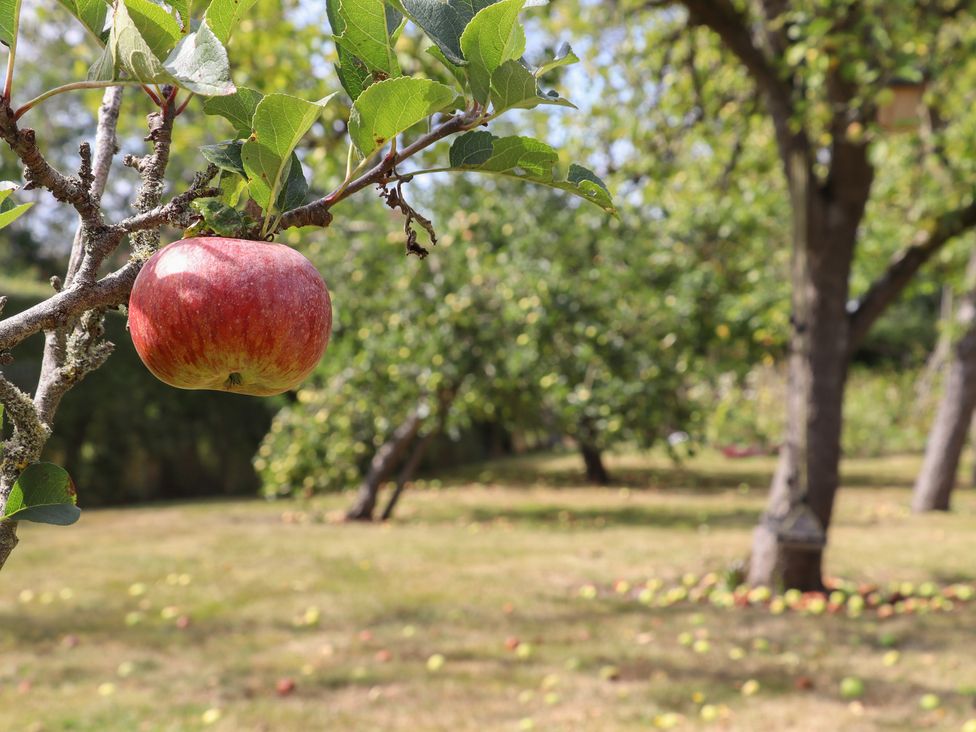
{"x":365,"y":49}
{"x":231,"y":187}
{"x":104,"y":67}
{"x":529,"y":160}
{"x":184,"y":8}
{"x":223,"y":16}
{"x":513,"y":85}
{"x":525,"y":153}
{"x":222,"y":219}
{"x":564,"y":57}
{"x":456,"y":71}
{"x":159,"y":29}
{"x":91,"y":13}
{"x":199,"y":63}
{"x":9,"y":215}
{"x":493,"y":37}
{"x":472,"y":149}
{"x":8,"y":21}
{"x":237,"y":108}
{"x":367,"y":34}
{"x":444,"y":22}
{"x":353,"y":74}
{"x":389,"y":107}
{"x":295,"y":190}
{"x":127,"y":50}
{"x":586,"y":180}
{"x":225,"y":155}
{"x":45,"y":494}
{"x":7,"y":187}
{"x":280,"y":122}
{"x":9,"y":211}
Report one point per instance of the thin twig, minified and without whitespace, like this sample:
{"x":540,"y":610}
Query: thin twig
{"x":317,"y":213}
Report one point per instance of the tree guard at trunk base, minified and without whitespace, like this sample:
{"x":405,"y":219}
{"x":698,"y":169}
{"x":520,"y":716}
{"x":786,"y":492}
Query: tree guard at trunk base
{"x":799,"y":529}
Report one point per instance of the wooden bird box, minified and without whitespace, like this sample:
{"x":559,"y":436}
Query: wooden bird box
{"x":904,"y":109}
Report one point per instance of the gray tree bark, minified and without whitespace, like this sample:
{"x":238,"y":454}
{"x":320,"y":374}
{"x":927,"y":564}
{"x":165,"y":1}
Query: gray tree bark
{"x":947,"y":437}
{"x":788,"y":543}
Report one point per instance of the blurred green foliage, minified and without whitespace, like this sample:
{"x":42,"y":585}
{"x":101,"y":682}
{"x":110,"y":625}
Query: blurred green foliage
{"x":886,"y":411}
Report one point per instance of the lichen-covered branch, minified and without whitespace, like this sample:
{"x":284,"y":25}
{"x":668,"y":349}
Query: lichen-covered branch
{"x":55,"y":378}
{"x":23,"y":448}
{"x":106,"y":145}
{"x":176,"y":212}
{"x":29,"y":435}
{"x":152,"y":169}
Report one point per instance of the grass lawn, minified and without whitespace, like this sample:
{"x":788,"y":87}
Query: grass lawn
{"x":488,"y":605}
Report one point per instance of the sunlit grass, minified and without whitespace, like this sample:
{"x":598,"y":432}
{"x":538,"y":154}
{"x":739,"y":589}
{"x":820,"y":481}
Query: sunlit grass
{"x":186,"y":617}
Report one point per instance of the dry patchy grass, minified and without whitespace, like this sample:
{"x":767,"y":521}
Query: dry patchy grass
{"x":90,"y":615}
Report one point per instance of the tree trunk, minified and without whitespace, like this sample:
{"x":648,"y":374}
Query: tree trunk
{"x":382,"y":465}
{"x":937,"y":478}
{"x":406,"y":474}
{"x":788,"y":543}
{"x":596,"y":471}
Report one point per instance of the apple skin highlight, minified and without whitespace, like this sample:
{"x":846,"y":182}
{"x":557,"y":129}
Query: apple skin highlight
{"x":234,"y":315}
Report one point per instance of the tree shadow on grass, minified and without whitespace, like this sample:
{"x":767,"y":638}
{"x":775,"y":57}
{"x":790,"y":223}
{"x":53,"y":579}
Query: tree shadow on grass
{"x":650,"y":516}
{"x":694,"y":477}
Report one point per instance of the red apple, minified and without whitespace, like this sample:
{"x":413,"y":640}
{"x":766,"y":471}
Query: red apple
{"x":285,"y":686}
{"x":233,"y":315}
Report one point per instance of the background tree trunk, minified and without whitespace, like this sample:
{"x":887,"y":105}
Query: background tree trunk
{"x":406,"y":474}
{"x":937,"y":360}
{"x":596,"y":471}
{"x":937,"y":478}
{"x":382,"y":465}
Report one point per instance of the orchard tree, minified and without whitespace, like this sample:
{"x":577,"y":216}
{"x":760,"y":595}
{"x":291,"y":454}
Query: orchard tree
{"x":439,"y":340}
{"x":430,"y":351}
{"x":254,"y":186}
{"x":823,"y":69}
{"x":567,"y":330}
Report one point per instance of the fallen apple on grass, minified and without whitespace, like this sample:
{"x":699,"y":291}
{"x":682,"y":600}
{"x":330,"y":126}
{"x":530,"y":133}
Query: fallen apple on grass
{"x":235,"y":315}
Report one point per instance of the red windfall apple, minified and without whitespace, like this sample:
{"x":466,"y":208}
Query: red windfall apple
{"x":234,"y":315}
